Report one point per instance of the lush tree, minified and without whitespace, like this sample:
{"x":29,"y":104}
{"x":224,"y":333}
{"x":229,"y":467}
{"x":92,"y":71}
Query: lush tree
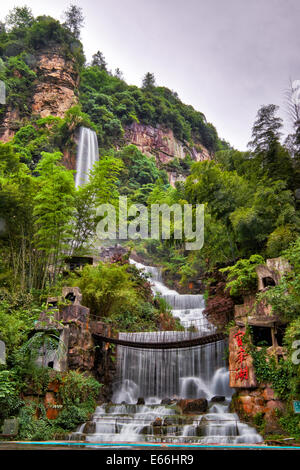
{"x":102,"y":188}
{"x":280,"y":240}
{"x":53,"y":212}
{"x":271,"y":206}
{"x":19,"y":17}
{"x":242,"y":276}
{"x":266,"y":129}
{"x":17,"y":190}
{"x":265,"y":144}
{"x":224,"y":191}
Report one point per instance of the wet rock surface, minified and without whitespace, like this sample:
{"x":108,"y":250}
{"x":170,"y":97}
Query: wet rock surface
{"x":199,"y":405}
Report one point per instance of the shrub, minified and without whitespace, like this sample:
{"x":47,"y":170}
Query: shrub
{"x":242,"y":276}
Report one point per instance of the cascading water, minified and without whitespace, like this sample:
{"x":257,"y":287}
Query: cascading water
{"x":187,"y":308}
{"x":87,"y":155}
{"x":156,"y":375}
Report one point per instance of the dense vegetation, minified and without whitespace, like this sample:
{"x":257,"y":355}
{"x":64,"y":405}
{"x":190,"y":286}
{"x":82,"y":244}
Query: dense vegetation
{"x":251,"y":213}
{"x":111,"y":104}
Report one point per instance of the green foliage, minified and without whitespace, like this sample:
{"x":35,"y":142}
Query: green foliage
{"x":291,"y":424}
{"x":19,"y":47}
{"x":106,"y":288}
{"x":279,"y":240}
{"x":285,"y":296}
{"x":77,"y":392}
{"x":19,"y":17}
{"x":119,"y":295}
{"x":107,"y":98}
{"x":273,"y":158}
{"x":72,"y":416}
{"x":139,"y":173}
{"x":259,"y":422}
{"x":99,"y":61}
{"x":32,"y":429}
{"x":19,"y":82}
{"x":18,"y":311}
{"x":53,"y":211}
{"x":77,"y":388}
{"x":242,"y":276}
{"x":268,"y":371}
{"x":284,"y":374}
{"x":223,"y":191}
{"x":9,"y":396}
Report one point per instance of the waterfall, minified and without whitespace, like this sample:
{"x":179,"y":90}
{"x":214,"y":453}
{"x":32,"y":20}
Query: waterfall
{"x":160,"y":376}
{"x":87,"y":155}
{"x":187,"y":308}
{"x":168,"y":373}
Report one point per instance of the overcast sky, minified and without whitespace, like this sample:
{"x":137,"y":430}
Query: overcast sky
{"x":224,"y":57}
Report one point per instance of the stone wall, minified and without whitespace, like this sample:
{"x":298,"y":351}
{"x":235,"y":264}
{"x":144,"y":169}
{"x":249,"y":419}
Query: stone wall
{"x":82,"y":350}
{"x":250,"y":403}
{"x":49,"y":398}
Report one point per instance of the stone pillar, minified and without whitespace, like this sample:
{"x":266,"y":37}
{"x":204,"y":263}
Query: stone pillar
{"x":241,"y":367}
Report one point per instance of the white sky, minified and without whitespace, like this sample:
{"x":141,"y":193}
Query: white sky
{"x":224,"y":57}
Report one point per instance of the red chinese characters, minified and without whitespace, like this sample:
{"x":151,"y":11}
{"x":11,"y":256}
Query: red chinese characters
{"x":242,"y":370}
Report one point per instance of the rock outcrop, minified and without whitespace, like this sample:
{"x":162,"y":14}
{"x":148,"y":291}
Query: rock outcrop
{"x":261,"y":401}
{"x":161,"y":143}
{"x":199,"y":405}
{"x":54,"y":91}
{"x":56,"y":84}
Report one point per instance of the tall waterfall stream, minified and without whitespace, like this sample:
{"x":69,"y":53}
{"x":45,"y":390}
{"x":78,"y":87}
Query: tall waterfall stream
{"x":153,"y":374}
{"x":87,"y":155}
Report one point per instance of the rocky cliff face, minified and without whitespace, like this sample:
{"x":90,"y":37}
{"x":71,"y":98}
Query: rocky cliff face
{"x":55,"y":88}
{"x":163,"y":145}
{"x":54,"y":92}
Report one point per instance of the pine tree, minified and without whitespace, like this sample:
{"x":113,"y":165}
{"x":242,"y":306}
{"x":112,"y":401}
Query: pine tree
{"x":119,"y":73}
{"x":99,"y":61}
{"x":273,"y":158}
{"x":148,"y":81}
{"x":266,"y":129}
{"x":74,"y":20}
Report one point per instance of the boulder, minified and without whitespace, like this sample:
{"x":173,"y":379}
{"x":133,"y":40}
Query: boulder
{"x":141,"y":401}
{"x":199,"y":405}
{"x":157,"y":422}
{"x":268,"y":394}
{"x":217,"y":398}
{"x":166,"y":401}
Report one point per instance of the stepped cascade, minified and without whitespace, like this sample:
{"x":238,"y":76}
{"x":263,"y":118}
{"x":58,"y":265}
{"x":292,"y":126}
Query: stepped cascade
{"x":87,"y":155}
{"x":166,"y":376}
